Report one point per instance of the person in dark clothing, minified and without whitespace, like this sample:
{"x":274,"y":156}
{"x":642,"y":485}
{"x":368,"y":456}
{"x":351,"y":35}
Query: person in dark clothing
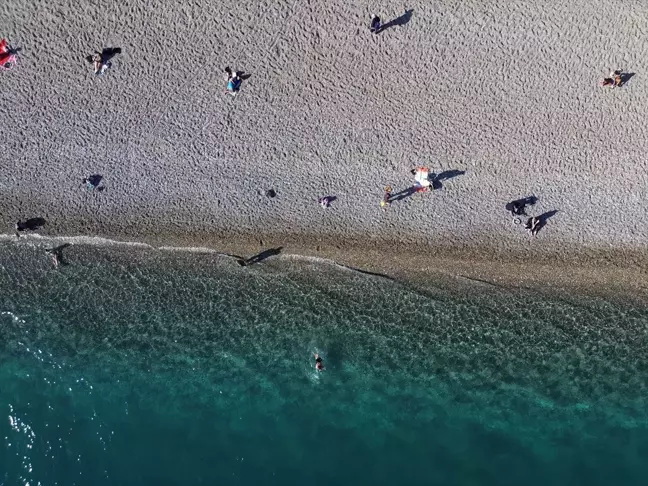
{"x":375,"y":25}
{"x":20,"y":226}
{"x":517,"y":208}
{"x":533,"y":225}
{"x":319,"y":364}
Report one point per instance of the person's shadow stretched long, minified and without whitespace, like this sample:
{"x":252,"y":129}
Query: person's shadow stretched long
{"x":260,"y":257}
{"x":403,"y":194}
{"x":402,"y":20}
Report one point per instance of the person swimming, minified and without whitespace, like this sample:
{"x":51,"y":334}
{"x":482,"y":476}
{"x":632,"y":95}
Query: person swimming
{"x":319,"y":364}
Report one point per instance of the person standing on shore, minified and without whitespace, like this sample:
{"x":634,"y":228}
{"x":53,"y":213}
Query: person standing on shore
{"x":421,"y":178}
{"x":386,"y":200}
{"x":99,"y":66}
{"x":375,"y":26}
{"x":233,"y":81}
{"x":533,"y":225}
{"x":20,"y":226}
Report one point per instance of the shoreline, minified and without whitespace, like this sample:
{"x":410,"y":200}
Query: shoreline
{"x":184,"y":165}
{"x":611,"y":274}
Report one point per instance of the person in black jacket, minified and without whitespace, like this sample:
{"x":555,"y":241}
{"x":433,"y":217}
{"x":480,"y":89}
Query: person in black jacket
{"x":375,"y":24}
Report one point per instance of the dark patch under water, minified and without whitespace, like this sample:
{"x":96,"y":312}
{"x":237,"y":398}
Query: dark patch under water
{"x":148,"y":368}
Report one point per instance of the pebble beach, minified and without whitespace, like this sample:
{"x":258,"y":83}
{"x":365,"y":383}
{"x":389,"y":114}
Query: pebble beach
{"x":504,"y":93}
{"x":178,"y":307}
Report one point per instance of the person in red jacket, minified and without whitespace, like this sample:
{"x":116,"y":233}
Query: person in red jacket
{"x":7,"y":55}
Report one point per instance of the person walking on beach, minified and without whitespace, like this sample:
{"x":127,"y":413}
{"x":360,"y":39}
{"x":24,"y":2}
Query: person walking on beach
{"x":99,"y":66}
{"x":533,"y":225}
{"x":325,"y":202}
{"x":375,"y":26}
{"x":386,"y":200}
{"x":421,"y":177}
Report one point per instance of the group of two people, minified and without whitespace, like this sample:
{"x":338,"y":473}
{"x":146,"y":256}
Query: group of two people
{"x":517,"y":208}
{"x":422,"y":183}
{"x":614,"y":80}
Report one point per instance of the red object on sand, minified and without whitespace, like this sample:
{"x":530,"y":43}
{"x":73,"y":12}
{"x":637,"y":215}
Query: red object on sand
{"x":7,"y":57}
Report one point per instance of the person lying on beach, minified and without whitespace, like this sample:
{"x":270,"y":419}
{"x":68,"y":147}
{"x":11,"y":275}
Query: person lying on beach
{"x":375,"y":26}
{"x":614,"y":81}
{"x":533,"y":225}
{"x":319,"y":365}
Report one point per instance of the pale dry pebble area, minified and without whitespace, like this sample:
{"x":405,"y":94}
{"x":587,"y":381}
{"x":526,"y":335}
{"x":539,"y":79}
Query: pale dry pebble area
{"x":507,"y":91}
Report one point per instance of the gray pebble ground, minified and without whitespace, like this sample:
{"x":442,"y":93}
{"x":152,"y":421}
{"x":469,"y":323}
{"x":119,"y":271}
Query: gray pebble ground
{"x":506,"y":90}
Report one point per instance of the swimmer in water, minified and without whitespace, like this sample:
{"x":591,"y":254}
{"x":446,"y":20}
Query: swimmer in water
{"x":319,"y":365}
{"x":57,"y":254}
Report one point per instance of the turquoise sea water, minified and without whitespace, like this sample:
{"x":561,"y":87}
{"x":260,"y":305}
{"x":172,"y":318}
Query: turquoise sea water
{"x":138,"y":367}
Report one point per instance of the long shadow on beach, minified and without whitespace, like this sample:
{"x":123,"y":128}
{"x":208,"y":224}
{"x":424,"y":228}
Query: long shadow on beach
{"x":260,"y":257}
{"x":544,"y":218}
{"x":444,"y":176}
{"x":403,"y":194}
{"x":109,"y":52}
{"x":625,"y":77}
{"x":402,"y":20}
{"x":32,"y":224}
